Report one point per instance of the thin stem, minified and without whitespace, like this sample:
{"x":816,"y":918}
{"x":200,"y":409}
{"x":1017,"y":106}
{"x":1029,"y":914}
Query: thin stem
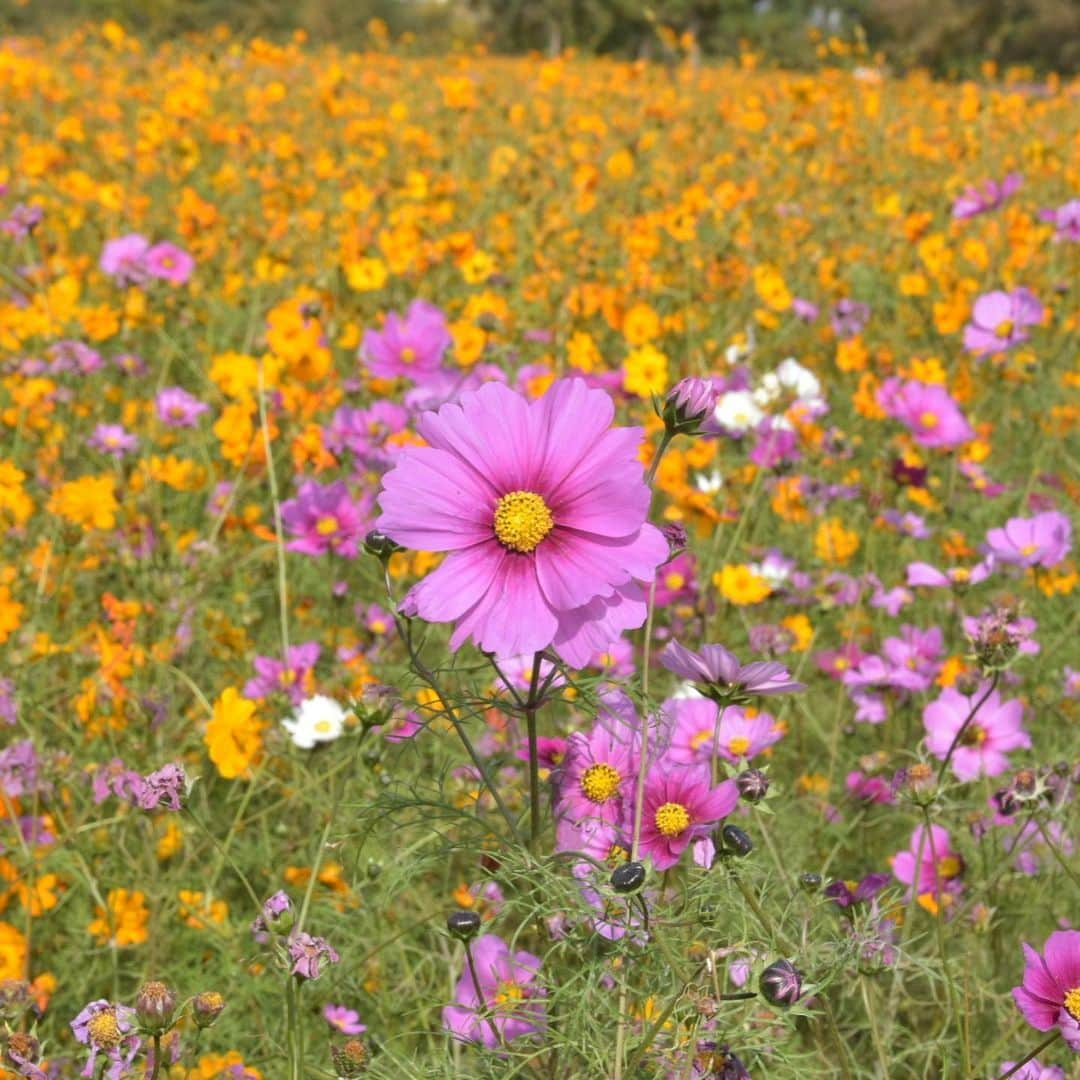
{"x":964,"y":726}
{"x":1048,"y":1041}
{"x":157,"y":1057}
{"x":534,"y":757}
{"x":290,"y":1027}
{"x":279,"y":533}
{"x":665,"y":442}
{"x":481,"y":1004}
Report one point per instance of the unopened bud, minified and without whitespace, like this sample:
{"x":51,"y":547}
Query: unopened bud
{"x":688,"y":404}
{"x":155,"y":1005}
{"x":350,"y":1058}
{"x":22,"y":1049}
{"x":206,"y":1008}
{"x":628,"y":878}
{"x":781,"y":983}
{"x":753,"y":785}
{"x":736,"y":842}
{"x":463,"y":925}
{"x":380,"y":545}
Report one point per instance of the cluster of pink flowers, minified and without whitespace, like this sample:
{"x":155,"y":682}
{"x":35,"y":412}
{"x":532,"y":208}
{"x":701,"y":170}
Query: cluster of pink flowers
{"x":133,"y":260}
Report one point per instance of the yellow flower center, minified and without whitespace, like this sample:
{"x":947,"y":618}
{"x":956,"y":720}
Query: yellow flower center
{"x":961,"y":574}
{"x":675,"y":582}
{"x":1072,"y":1002}
{"x":104,"y":1031}
{"x":408,"y":355}
{"x":287,"y":677}
{"x":701,"y":738}
{"x":322,"y":726}
{"x":672,"y":818}
{"x":1004,"y":329}
{"x":928,"y":420}
{"x":738,"y":746}
{"x":949,"y":866}
{"x":974,"y":736}
{"x":1029,"y":549}
{"x":326,"y":526}
{"x":600,"y":782}
{"x":522,"y":520}
{"x":508,"y":994}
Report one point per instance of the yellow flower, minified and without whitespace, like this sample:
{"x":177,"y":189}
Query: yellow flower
{"x":741,"y":585}
{"x":124,"y":921}
{"x":10,"y":614}
{"x":366,"y":275}
{"x":645,"y":372}
{"x":234,"y":735}
{"x":771,"y":288}
{"x":12,"y":953}
{"x":833,"y":543}
{"x":640,"y":324}
{"x":89,"y":502}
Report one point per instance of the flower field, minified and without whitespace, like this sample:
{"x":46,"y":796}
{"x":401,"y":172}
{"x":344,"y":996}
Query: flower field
{"x":540,"y":568}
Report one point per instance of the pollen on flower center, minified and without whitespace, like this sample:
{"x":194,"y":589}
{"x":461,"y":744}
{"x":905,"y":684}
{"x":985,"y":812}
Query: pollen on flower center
{"x":408,"y":355}
{"x":600,"y":782}
{"x":701,"y":738}
{"x":672,"y":818}
{"x":1072,"y":1002}
{"x":104,"y":1031}
{"x":1004,"y":328}
{"x":973,"y":736}
{"x":949,"y":867}
{"x":522,"y":520}
{"x":928,"y":420}
{"x":326,"y":526}
{"x":509,"y":993}
{"x":738,"y":745}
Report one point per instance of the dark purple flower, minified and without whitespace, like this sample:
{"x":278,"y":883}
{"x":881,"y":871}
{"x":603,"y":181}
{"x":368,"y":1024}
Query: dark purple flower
{"x":846,"y":893}
{"x":307,"y":953}
{"x":276,"y":917}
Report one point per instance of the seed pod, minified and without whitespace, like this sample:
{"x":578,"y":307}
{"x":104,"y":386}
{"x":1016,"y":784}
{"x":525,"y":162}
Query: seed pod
{"x":463,"y":924}
{"x":155,"y":1005}
{"x":628,"y":878}
{"x":736,"y":842}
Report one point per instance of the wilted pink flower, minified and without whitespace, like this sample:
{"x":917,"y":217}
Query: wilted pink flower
{"x":1049,"y":996}
{"x":999,"y":321}
{"x":169,"y":263}
{"x":291,"y":677}
{"x":990,"y":196}
{"x":412,"y":347}
{"x":995,"y":729}
{"x":503,"y":1002}
{"x":308,"y":954}
{"x":928,"y":412}
{"x":680,"y":806}
{"x":1042,"y":540}
{"x":719,"y":674}
{"x":324,"y":519}
{"x":541,"y":505}
{"x":110,"y":1030}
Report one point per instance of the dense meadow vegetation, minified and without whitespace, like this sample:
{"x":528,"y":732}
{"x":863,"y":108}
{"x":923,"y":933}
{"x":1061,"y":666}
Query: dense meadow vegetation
{"x":543,"y":568}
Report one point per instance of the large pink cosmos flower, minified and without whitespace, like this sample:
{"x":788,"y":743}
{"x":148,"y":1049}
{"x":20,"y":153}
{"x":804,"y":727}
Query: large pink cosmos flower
{"x":541,"y":505}
{"x":411,"y":347}
{"x":1050,"y":994}
{"x":930,"y":414}
{"x":996,"y":728}
{"x":999,"y":320}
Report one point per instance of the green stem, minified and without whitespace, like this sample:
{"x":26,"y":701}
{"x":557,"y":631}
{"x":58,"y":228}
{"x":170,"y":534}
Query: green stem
{"x":964,"y":726}
{"x":293,"y":1037}
{"x":534,"y":759}
{"x":157,"y":1058}
{"x":1048,"y":1041}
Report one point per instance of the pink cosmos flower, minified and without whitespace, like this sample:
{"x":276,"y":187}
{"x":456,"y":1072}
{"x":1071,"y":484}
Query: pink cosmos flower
{"x":503,"y":1002}
{"x":1066,"y":219}
{"x":720,"y":674}
{"x":999,"y":320}
{"x":412,"y":347}
{"x":1049,"y":996}
{"x":291,"y":678}
{"x":123,"y":259}
{"x":177,"y":408}
{"x":741,"y":737}
{"x":930,"y":866}
{"x":308,"y":955}
{"x":928,"y":412}
{"x":990,"y":196}
{"x":343,"y":1019}
{"x":996,"y":728}
{"x":168,"y":263}
{"x":541,"y":505}
{"x":324,"y":519}
{"x":920,"y":573}
{"x":113,"y":439}
{"x":1032,"y":1071}
{"x":1042,"y":540}
{"x":598,"y":774}
{"x":680,"y":806}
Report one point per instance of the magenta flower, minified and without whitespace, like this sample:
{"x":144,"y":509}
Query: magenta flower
{"x":1032,"y":1071}
{"x":308,"y":953}
{"x":22,"y":221}
{"x":1042,"y":540}
{"x":680,"y":806}
{"x":741,"y":737}
{"x":930,"y":866}
{"x":123,"y":259}
{"x":163,"y":788}
{"x":503,"y":1002}
{"x":1066,"y":219}
{"x":996,"y":728}
{"x":168,"y":263}
{"x":720,"y":675}
{"x":598,"y":774}
{"x":177,"y":408}
{"x":990,"y":196}
{"x":999,"y":321}
{"x":849,"y":317}
{"x":412,"y":347}
{"x":347,"y":1021}
{"x":957,"y":577}
{"x":114,"y":440}
{"x":928,"y":412}
{"x":324,"y":519}
{"x":290,"y":678}
{"x":1049,"y":996}
{"x":541,"y":505}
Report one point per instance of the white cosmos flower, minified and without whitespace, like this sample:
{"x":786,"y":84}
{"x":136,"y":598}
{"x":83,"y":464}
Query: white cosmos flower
{"x":801,"y":381}
{"x":737,"y":411}
{"x":319,"y":719}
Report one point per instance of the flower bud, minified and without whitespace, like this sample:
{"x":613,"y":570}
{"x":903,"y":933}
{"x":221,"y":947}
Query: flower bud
{"x":810,"y":881}
{"x":21,"y":1049}
{"x":628,"y":878}
{"x":380,"y":545}
{"x":14,"y":998}
{"x":206,"y":1008}
{"x":689,"y":402}
{"x":781,"y":983}
{"x":736,"y":842}
{"x":155,"y":1005}
{"x":753,"y":785}
{"x":277,"y":913}
{"x":463,"y":925}
{"x":350,"y":1058}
